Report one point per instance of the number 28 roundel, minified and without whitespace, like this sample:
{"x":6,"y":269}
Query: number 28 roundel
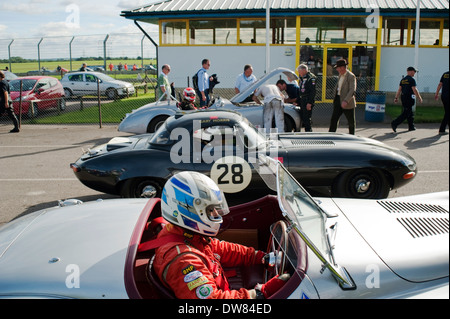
{"x":231,"y":173}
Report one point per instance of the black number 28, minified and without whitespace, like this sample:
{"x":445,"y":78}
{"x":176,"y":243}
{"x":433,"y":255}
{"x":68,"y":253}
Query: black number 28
{"x":236,"y":171}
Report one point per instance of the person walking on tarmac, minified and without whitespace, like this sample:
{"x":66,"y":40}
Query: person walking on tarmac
{"x":306,"y":96}
{"x":445,"y":94}
{"x":190,"y":261}
{"x":6,"y":104}
{"x":409,"y":95}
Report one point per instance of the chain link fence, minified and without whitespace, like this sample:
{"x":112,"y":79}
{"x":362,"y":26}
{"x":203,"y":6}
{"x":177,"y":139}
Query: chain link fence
{"x":53,"y":56}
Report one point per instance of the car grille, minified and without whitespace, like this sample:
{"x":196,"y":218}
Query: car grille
{"x":311,"y":143}
{"x":419,"y":226}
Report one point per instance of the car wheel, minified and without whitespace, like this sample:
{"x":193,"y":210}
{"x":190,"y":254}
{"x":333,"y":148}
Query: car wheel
{"x":289,"y":124}
{"x":156,"y":123}
{"x":141,"y":188}
{"x":112,"y":94}
{"x":67,"y":93}
{"x":33,"y":110}
{"x":363,"y":184}
{"x":62,"y":104}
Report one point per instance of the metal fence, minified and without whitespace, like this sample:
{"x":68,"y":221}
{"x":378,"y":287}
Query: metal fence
{"x":72,"y":50}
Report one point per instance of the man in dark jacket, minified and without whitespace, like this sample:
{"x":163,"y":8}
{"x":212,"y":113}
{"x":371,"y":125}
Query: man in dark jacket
{"x":5,"y":106}
{"x":306,"y":95}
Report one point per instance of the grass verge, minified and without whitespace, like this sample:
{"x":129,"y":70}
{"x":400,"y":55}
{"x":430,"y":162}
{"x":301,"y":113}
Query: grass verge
{"x":110,"y":112}
{"x":424,"y":114}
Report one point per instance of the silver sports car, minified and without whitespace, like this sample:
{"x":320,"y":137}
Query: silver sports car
{"x":331,"y":248}
{"x":148,"y":118}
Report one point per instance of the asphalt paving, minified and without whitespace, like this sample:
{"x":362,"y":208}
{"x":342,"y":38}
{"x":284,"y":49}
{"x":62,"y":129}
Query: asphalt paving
{"x":35,"y":172}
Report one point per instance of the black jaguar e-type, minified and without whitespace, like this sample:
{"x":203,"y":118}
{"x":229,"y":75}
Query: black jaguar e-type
{"x":223,"y":145}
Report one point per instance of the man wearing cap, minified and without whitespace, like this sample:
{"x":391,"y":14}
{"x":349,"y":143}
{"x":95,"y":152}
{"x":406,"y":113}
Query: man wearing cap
{"x":344,"y":100}
{"x":409,"y":94}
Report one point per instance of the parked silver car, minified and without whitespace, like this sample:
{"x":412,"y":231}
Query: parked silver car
{"x":148,"y":118}
{"x":85,"y":83}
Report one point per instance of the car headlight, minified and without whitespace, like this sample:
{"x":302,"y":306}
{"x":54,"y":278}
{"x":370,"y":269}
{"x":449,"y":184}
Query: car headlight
{"x":24,"y":98}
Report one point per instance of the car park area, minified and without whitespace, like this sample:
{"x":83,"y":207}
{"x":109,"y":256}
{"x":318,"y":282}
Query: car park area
{"x":36,"y":162}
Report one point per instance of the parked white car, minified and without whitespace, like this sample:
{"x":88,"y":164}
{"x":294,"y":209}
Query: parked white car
{"x":85,"y":83}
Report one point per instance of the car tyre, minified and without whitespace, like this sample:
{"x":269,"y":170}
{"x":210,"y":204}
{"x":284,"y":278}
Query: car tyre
{"x":62,"y":104}
{"x":156,"y":123}
{"x":361,"y":184}
{"x":33,"y":113}
{"x":68,"y":93}
{"x":141,"y":188}
{"x":112,"y":94}
{"x":289,"y":124}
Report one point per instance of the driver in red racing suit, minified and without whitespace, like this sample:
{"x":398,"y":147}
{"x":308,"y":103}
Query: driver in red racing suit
{"x":190,"y":262}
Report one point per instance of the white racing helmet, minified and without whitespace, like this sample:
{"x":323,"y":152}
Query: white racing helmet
{"x":193,"y":201}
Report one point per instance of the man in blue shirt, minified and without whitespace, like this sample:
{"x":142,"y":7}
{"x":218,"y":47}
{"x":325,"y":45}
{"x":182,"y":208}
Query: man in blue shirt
{"x":203,"y":83}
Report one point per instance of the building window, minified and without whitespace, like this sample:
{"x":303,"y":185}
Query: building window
{"x":252,"y":31}
{"x":395,"y":31}
{"x":336,"y":30}
{"x":209,"y":32}
{"x":429,"y":32}
{"x":173,"y":32}
{"x":284,"y":31}
{"x":445,"y":36}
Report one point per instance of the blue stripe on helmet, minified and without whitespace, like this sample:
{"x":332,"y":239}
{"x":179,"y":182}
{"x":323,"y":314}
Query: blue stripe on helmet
{"x":181,"y":185}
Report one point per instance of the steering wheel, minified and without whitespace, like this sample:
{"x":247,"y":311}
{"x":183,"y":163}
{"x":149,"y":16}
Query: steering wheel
{"x":278,"y":242}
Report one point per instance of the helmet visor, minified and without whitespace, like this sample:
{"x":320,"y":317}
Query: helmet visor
{"x":216,"y":211}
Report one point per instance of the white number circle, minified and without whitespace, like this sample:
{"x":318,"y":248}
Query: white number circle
{"x":231,"y":173}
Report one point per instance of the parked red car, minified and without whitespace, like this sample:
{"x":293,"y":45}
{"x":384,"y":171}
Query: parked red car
{"x":45,"y":90}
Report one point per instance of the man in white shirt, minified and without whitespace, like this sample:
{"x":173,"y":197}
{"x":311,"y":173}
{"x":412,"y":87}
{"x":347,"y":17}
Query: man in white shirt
{"x":244,"y":80}
{"x":273,"y":106}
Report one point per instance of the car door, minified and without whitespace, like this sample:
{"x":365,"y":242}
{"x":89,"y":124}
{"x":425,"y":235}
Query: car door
{"x":43,"y":93}
{"x":90,"y":84}
{"x":75,"y":83}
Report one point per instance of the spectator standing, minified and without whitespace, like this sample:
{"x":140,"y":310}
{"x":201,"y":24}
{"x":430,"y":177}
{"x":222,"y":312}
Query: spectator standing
{"x":163,"y":82}
{"x":409,"y":95}
{"x":344,"y":99}
{"x":273,"y":106}
{"x":6,"y":103}
{"x":203,"y":83}
{"x":111,"y":66}
{"x":244,"y":80}
{"x":306,"y":95}
{"x":83,"y":67}
{"x":444,"y":85}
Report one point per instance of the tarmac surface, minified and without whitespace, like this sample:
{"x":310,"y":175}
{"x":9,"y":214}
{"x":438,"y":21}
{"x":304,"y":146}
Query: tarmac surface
{"x":35,"y":172}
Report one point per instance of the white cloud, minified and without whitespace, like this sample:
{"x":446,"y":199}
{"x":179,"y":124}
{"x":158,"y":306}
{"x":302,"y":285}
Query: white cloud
{"x":132,"y":4}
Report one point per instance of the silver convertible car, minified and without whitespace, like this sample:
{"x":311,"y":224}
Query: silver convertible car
{"x":148,"y":118}
{"x":395,"y":248}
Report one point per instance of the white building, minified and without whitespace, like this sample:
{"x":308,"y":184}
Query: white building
{"x":376,"y":37}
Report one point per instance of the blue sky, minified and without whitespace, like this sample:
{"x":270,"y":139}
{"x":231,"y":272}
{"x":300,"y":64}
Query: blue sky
{"x":27,"y":21}
{"x":42,"y":18}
